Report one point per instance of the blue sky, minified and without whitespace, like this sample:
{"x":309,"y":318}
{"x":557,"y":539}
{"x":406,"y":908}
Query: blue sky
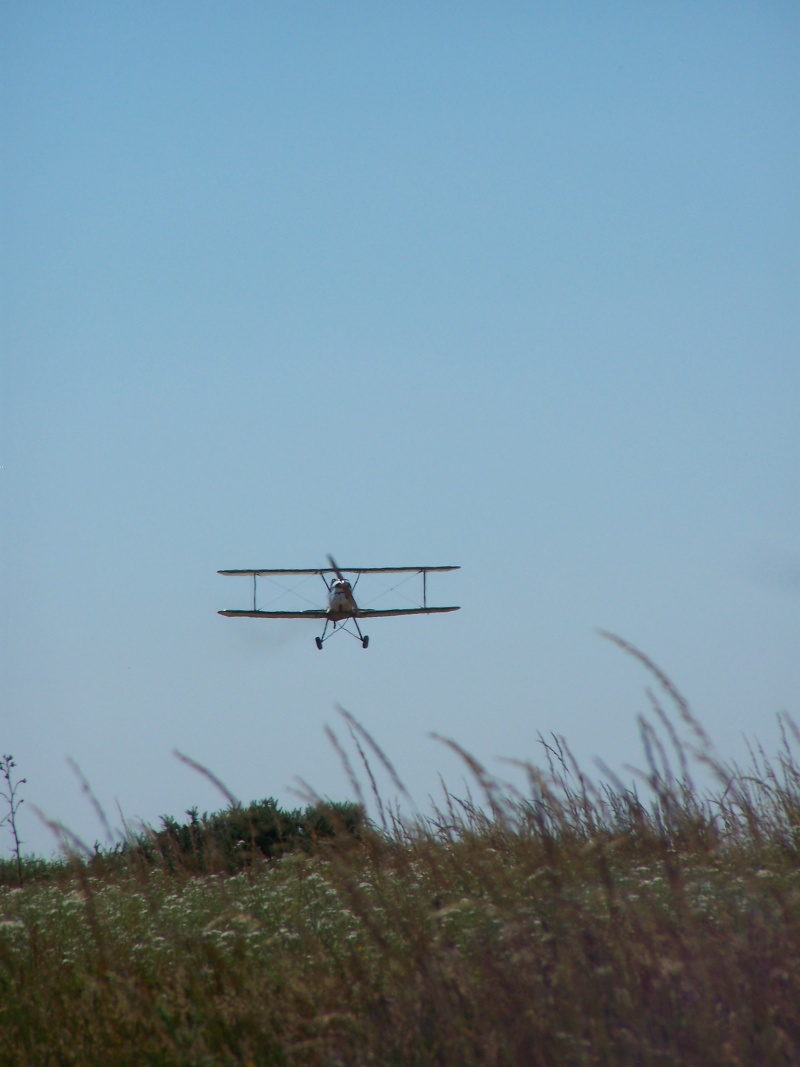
{"x":510,"y":286}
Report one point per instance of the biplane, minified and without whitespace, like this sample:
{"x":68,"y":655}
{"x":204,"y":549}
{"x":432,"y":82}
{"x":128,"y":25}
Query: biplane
{"x":342,"y":608}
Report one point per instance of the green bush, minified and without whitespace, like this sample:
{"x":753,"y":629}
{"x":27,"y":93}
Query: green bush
{"x":230,"y":839}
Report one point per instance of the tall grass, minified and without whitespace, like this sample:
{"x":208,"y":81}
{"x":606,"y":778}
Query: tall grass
{"x":568,"y":921}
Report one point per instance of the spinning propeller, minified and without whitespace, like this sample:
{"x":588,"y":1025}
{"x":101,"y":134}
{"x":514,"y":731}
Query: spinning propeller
{"x":338,"y":573}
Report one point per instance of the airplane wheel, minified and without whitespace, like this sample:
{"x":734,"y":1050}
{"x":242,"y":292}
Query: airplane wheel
{"x":365,"y":642}
{"x":319,"y":643}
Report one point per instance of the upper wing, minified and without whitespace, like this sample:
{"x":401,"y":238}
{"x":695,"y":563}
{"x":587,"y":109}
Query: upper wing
{"x":314,"y":571}
{"x":313,"y":613}
{"x":345,"y":570}
{"x":395,"y":570}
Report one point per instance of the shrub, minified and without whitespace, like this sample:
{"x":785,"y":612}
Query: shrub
{"x":234,"y":837}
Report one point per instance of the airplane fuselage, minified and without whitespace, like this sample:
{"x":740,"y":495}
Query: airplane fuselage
{"x":341,"y":602}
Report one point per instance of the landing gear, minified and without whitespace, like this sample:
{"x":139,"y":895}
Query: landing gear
{"x":339,"y":625}
{"x":361,"y":637}
{"x":319,"y":640}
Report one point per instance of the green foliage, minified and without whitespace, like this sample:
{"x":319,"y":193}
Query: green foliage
{"x":231,"y":839}
{"x":564,"y":923}
{"x":225,"y":841}
{"x":482,"y":940}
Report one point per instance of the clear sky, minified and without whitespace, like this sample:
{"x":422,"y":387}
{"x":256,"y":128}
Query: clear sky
{"x":506,"y":285}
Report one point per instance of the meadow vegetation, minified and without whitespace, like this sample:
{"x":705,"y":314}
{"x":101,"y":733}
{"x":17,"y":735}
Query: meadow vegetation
{"x":567,"y":921}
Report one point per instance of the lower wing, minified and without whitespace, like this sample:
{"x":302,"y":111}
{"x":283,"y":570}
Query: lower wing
{"x":320,"y":613}
{"x":368,"y":613}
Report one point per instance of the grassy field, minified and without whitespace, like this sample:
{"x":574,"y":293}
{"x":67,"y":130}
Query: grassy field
{"x":568,"y":922}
